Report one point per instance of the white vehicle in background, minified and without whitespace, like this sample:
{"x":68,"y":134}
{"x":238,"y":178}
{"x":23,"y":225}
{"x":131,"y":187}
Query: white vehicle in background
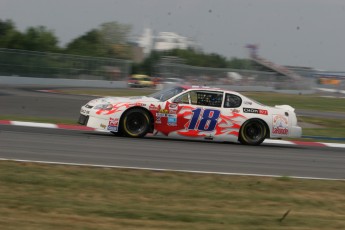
{"x":192,"y":113}
{"x":234,"y":76}
{"x":172,"y":81}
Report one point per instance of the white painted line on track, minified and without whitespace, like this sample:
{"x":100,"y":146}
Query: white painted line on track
{"x":336,"y":145}
{"x":331,"y":90}
{"x":272,"y":141}
{"x":169,"y":170}
{"x":34,"y":124}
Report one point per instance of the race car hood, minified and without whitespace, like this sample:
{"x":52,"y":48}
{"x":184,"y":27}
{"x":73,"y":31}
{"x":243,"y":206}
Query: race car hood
{"x":114,"y":100}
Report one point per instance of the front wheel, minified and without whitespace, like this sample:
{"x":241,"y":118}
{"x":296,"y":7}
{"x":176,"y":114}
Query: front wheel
{"x":135,"y":123}
{"x":253,"y":132}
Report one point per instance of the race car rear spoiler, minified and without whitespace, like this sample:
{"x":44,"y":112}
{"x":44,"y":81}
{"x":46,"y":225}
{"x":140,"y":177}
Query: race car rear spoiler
{"x":287,"y":107}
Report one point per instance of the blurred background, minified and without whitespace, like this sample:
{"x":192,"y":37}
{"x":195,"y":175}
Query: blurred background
{"x":151,"y":50}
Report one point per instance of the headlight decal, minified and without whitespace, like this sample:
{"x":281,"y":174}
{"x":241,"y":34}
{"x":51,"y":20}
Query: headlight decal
{"x":107,"y":110}
{"x":104,"y":106}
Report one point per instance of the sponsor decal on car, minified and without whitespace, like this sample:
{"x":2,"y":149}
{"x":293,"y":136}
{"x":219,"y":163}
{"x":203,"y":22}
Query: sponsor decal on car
{"x":140,"y":104}
{"x":136,"y":104}
{"x":280,"y":125}
{"x":161,"y":114}
{"x":158,"y":120}
{"x":113,"y":124}
{"x":173,"y":108}
{"x":112,"y":128}
{"x":172,"y":119}
{"x":153,"y":107}
{"x":166,"y":111}
{"x":256,"y":111}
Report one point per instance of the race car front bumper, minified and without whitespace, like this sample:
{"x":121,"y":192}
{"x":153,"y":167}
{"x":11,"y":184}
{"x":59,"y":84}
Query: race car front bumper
{"x":295,"y":131}
{"x":100,"y":124}
{"x":83,"y":119}
{"x":84,"y":115}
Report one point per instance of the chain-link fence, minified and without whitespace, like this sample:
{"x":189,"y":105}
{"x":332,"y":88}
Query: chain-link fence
{"x":174,"y":68}
{"x":55,"y":65}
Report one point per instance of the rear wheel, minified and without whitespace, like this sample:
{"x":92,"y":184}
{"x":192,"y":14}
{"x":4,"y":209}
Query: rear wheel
{"x":253,"y":132}
{"x":135,"y":123}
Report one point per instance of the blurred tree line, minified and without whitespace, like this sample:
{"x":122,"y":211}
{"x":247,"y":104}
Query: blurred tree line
{"x":109,"y":40}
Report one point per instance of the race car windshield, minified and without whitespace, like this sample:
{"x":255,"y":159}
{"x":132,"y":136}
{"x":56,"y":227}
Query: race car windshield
{"x":166,"y":94}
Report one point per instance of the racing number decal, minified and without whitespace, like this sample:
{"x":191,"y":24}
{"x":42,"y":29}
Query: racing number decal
{"x":204,"y":120}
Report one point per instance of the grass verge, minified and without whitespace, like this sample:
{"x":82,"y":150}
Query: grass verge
{"x":328,"y":127}
{"x":38,"y":196}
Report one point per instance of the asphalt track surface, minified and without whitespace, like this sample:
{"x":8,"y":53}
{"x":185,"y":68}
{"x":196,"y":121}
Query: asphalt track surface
{"x":26,"y":101}
{"x":82,"y":147}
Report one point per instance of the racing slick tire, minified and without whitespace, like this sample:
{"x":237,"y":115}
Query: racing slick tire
{"x":253,"y":132}
{"x":135,"y":123}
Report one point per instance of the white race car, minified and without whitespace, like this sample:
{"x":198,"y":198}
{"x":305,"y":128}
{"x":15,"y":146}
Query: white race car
{"x":192,"y":113}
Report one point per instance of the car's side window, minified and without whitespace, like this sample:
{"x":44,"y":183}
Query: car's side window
{"x":207,"y":98}
{"x":232,"y":101}
{"x":204,"y":98}
{"x":183,"y":99}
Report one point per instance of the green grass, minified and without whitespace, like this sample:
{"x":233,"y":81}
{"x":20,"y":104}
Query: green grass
{"x":37,"y":196}
{"x":330,"y":127}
